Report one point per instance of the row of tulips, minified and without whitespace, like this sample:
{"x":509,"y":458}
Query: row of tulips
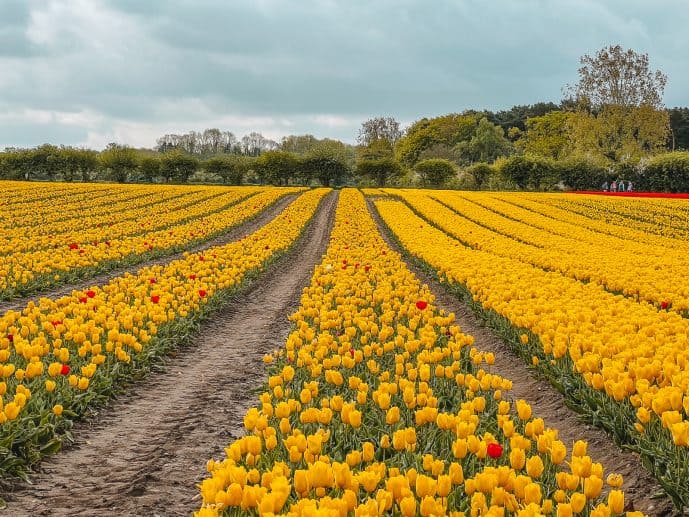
{"x":59,"y":357}
{"x":556,"y":207}
{"x":135,"y":214}
{"x":619,"y":265}
{"x":664,"y":217}
{"x":379,"y":405}
{"x":624,"y":363}
{"x":42,"y":268}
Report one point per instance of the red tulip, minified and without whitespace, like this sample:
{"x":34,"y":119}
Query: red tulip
{"x":83,"y":299}
{"x":152,"y":280}
{"x":73,"y":246}
{"x":367,"y":268}
{"x":421,"y":305}
{"x":202,"y":293}
{"x":56,"y":323}
{"x":155,"y":298}
{"x":351,"y":351}
{"x":192,"y":277}
{"x":65,"y":369}
{"x":664,"y":305}
{"x":10,"y":338}
{"x":494,"y":450}
{"x":201,"y":258}
{"x":90,"y":294}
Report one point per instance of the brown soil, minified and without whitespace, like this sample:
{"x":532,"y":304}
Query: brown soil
{"x":146,"y":452}
{"x":642,"y":491}
{"x":232,"y":234}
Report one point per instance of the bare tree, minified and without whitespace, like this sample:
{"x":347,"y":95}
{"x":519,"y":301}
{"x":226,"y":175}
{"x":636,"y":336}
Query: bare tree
{"x":618,"y":77}
{"x":379,"y":128}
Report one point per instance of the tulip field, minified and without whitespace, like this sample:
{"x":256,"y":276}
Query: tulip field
{"x":378,"y":401}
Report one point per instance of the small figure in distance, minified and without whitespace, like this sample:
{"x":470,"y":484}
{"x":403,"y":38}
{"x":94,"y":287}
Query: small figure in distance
{"x":629,"y":186}
{"x":605,"y":186}
{"x":613,"y":186}
{"x":620,"y":186}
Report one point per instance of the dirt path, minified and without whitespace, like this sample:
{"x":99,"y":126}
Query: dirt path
{"x":146,"y":452}
{"x":548,"y":403}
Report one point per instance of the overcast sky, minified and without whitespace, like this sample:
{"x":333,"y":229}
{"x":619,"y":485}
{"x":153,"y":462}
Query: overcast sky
{"x":89,"y":72}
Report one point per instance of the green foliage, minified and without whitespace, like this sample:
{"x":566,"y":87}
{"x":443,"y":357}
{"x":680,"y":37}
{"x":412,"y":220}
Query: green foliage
{"x":584,"y":173}
{"x":381,"y":171}
{"x":119,"y":161}
{"x":231,"y":168}
{"x":479,"y":173}
{"x":532,"y":172}
{"x":619,"y":133}
{"x":177,"y":166}
{"x":666,"y":172}
{"x":149,"y":167}
{"x":426,"y":133}
{"x":679,"y":126}
{"x":548,"y":135}
{"x":516,"y":116}
{"x":435,"y":172}
{"x":486,"y":144}
{"x":277,"y":167}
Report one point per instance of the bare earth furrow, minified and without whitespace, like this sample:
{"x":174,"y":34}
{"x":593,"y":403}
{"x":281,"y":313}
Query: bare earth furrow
{"x":641,"y":489}
{"x":232,"y":234}
{"x":145,"y":453}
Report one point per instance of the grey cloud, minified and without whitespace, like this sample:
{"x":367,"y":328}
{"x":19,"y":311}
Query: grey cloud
{"x":175,"y":63}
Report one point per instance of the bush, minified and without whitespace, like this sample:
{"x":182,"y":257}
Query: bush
{"x":667,"y":172}
{"x":435,"y":172}
{"x":583,"y":173}
{"x":480,"y":173}
{"x":532,"y":172}
{"x":381,"y":171}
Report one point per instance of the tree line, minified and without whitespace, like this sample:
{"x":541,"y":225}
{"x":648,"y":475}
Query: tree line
{"x":610,"y":125}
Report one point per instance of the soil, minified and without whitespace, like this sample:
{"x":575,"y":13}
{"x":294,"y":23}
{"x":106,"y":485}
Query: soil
{"x":145,"y":453}
{"x":642,"y":491}
{"x":232,"y":234}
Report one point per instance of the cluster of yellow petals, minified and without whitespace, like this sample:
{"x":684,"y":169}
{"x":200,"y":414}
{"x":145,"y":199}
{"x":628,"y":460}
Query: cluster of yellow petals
{"x":495,"y":223}
{"x":378,"y":404}
{"x":54,"y":349}
{"x":125,"y":222}
{"x":629,"y":350}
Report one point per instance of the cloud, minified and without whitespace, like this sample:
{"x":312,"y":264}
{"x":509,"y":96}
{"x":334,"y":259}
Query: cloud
{"x":126,"y":70}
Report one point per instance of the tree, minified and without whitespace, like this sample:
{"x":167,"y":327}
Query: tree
{"x":119,"y":161}
{"x":381,"y":171}
{"x":299,"y":144}
{"x":379,"y":128}
{"x":679,"y":127}
{"x":77,"y":163}
{"x":619,"y":104}
{"x":255,"y":143}
{"x":529,"y":171}
{"x":479,"y":172}
{"x":178,"y":166}
{"x":435,"y":172}
{"x":425,"y":134}
{"x":328,"y":162}
{"x":549,"y":135}
{"x":618,"y":77}
{"x":149,"y":167}
{"x":230,"y":168}
{"x":277,"y":167}
{"x":516,"y":116}
{"x":583,"y":173}
{"x":618,"y":133}
{"x":487,"y":144}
